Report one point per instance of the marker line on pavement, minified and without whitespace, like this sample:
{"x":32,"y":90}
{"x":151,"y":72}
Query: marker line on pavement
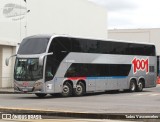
{"x":154,"y":94}
{"x":37,"y":110}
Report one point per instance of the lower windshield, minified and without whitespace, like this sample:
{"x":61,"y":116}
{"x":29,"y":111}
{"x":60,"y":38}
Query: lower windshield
{"x":28,"y":70}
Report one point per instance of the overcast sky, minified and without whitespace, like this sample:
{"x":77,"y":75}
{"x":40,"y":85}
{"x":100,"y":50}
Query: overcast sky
{"x":132,"y":13}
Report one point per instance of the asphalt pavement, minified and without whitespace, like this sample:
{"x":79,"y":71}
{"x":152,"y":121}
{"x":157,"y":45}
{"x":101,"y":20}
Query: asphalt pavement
{"x":83,"y":115}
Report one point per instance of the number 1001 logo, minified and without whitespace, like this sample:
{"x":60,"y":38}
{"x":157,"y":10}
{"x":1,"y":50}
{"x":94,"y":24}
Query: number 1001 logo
{"x":140,"y":65}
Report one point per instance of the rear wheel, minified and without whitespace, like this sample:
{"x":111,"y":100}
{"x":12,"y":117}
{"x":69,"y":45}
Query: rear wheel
{"x":132,"y":87}
{"x":40,"y":95}
{"x":67,"y":90}
{"x":80,"y":89}
{"x":140,"y":86}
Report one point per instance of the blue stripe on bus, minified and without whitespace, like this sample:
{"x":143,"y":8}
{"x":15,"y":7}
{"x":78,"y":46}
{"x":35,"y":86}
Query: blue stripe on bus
{"x":112,"y":77}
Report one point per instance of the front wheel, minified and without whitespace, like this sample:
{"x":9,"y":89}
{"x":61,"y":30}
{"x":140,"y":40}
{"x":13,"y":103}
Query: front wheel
{"x":40,"y":95}
{"x":67,"y":90}
{"x":80,"y":89}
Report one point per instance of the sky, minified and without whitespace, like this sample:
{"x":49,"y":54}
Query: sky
{"x":127,"y":14}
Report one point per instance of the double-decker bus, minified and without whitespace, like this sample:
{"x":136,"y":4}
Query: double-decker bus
{"x":48,"y":64}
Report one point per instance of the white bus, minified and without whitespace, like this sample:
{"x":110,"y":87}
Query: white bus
{"x":48,"y":64}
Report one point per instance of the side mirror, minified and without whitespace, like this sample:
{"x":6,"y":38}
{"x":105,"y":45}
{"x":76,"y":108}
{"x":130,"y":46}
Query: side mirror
{"x":7,"y":59}
{"x":41,"y":58}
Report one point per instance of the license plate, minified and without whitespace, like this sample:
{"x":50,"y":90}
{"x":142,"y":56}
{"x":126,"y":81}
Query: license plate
{"x":25,"y":90}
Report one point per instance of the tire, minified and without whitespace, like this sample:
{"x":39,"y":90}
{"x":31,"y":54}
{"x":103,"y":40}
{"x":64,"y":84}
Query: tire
{"x":67,"y":90}
{"x":80,"y":89}
{"x":140,"y":86}
{"x":132,"y":87}
{"x":40,"y":95}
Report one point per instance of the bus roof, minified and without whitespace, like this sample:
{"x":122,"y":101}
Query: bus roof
{"x":113,"y":40}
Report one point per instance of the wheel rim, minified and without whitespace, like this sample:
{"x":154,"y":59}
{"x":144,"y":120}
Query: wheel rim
{"x":65,"y":89}
{"x":79,"y":89}
{"x":140,"y":86}
{"x":133,"y":86}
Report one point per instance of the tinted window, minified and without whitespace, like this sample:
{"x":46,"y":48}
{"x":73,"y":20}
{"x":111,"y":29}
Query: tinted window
{"x":106,"y":47}
{"x":95,"y":70}
{"x":151,"y":68}
{"x":131,"y":49}
{"x":78,"y":45}
{"x":120,"y":48}
{"x":33,"y":46}
{"x":92,"y":46}
{"x":150,"y":50}
{"x":65,"y":44}
{"x":60,"y":48}
{"x":141,"y":49}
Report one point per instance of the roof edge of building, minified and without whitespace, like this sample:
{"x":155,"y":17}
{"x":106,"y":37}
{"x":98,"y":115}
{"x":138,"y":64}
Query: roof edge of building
{"x":8,"y":43}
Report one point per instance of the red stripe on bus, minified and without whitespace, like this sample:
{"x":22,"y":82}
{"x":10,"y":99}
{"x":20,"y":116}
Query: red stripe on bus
{"x":76,"y":78}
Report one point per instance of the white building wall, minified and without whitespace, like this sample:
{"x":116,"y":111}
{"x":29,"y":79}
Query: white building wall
{"x":0,"y":66}
{"x":71,"y":17}
{"x":151,"y":35}
{"x":7,"y":71}
{"x":19,"y":19}
{"x":12,"y":21}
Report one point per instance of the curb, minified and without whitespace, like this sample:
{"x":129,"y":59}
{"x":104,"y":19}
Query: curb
{"x":49,"y":114}
{"x":7,"y":92}
{"x":56,"y":113}
{"x":4,"y":92}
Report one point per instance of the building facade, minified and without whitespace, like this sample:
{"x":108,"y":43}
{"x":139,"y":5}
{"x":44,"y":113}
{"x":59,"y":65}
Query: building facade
{"x":150,"y":35}
{"x":21,"y":18}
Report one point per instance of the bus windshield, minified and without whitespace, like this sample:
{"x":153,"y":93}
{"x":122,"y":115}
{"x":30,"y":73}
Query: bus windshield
{"x":28,"y":70}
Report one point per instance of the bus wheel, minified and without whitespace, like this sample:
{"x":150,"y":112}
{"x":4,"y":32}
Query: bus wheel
{"x":40,"y":95}
{"x":140,"y":86}
{"x":80,"y":89}
{"x":132,"y":87}
{"x":67,"y":90}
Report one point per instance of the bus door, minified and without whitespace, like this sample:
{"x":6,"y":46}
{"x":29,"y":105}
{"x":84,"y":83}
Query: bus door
{"x":49,"y":74}
{"x":59,"y":77}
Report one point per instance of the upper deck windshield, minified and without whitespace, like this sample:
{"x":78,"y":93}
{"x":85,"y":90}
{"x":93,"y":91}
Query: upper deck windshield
{"x":33,"y":45}
{"x":28,"y":70}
